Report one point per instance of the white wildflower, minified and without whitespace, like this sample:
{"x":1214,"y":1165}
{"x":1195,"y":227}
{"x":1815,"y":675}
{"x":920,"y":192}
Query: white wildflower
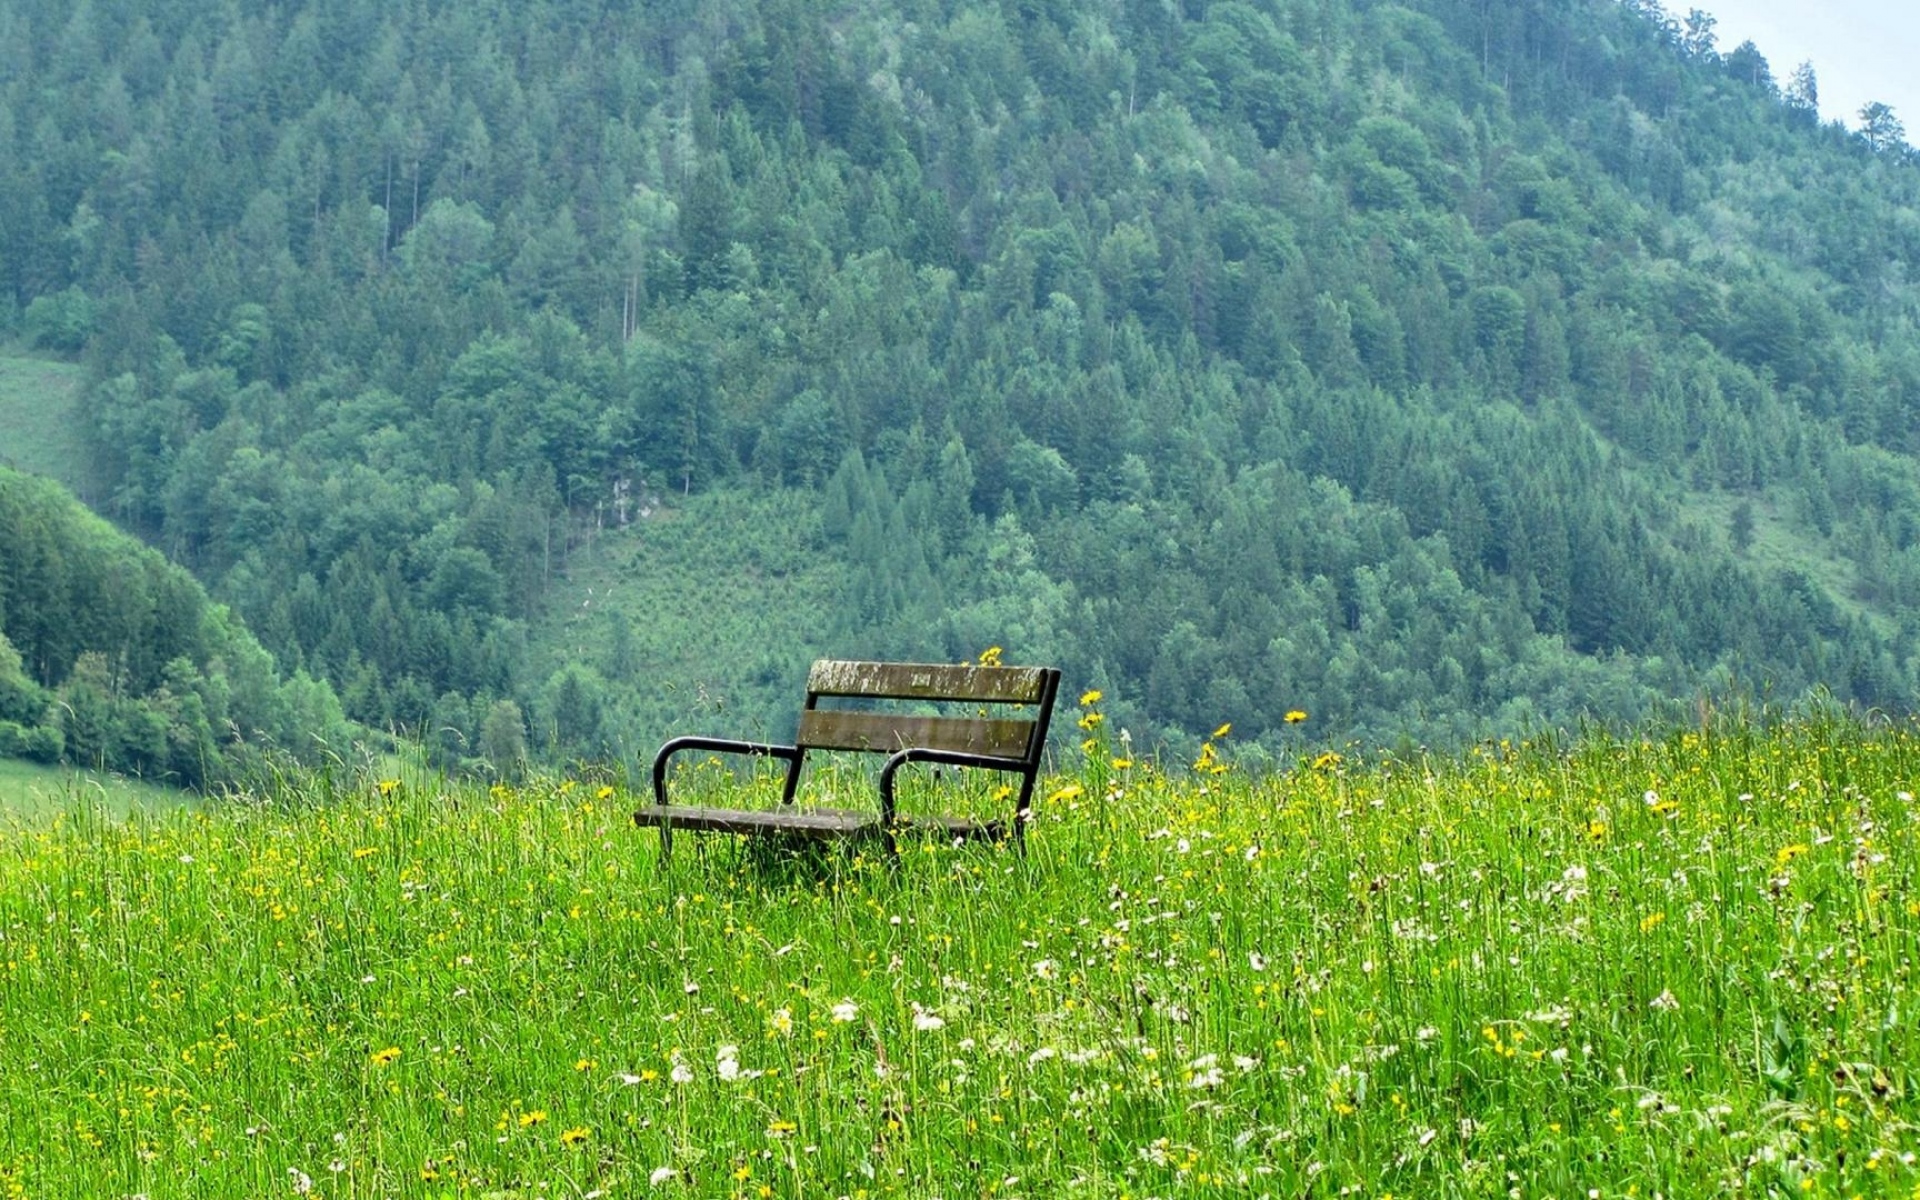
{"x":661,"y":1175}
{"x":845,"y":1011}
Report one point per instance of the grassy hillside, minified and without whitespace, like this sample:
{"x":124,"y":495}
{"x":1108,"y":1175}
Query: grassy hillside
{"x":1671,"y":966}
{"x":703,"y":615}
{"x":32,"y":791}
{"x":38,"y":428}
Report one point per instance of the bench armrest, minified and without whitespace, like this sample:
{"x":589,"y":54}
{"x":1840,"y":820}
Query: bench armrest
{"x":955,"y":758}
{"x":725,"y":746}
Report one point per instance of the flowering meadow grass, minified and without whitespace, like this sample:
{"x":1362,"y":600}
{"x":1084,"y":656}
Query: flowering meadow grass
{"x":1665,"y":966}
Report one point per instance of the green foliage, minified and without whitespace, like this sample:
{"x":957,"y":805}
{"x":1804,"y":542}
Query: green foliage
{"x":113,"y":659}
{"x":1397,"y":361}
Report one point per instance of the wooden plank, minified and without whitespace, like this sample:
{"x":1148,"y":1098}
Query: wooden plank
{"x":927,"y":681}
{"x":809,"y":822}
{"x":829,"y":729}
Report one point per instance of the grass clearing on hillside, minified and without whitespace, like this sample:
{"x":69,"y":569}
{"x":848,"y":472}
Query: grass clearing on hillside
{"x":705,"y":614}
{"x":1669,"y":966}
{"x":37,"y":430}
{"x":33,"y":791}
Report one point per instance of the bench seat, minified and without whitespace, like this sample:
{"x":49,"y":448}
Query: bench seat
{"x":977,"y":740}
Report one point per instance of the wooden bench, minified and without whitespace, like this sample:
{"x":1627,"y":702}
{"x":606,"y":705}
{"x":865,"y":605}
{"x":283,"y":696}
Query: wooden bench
{"x":997,"y":743}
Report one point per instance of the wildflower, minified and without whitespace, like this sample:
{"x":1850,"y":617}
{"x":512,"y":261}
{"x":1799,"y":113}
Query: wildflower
{"x":1664,"y":1002}
{"x":1069,"y":792}
{"x":363,"y":851}
{"x":1089,"y":721}
{"x":1651,"y":921}
{"x":1788,"y":853}
{"x":927,"y":1022}
{"x":681,"y":1072}
{"x":302,"y":1182}
{"x":574,"y":1136}
{"x":781,"y":1022}
{"x":1327,"y":761}
{"x":661,"y":1175}
{"x":1090,"y":698}
{"x":780,"y":1129}
{"x":1296,"y":716}
{"x":1224,"y":730}
{"x":388,"y":786}
{"x":585,"y":1064}
{"x":845,"y":1011}
{"x":533,"y":1117}
{"x":1206,"y":1077}
{"x":1045,"y":968}
{"x":381,"y":1058}
{"x":990,"y":657}
{"x":605,"y":793}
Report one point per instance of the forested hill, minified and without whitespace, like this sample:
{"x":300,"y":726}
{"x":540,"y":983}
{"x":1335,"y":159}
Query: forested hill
{"x":112,"y":657}
{"x":1432,"y":367}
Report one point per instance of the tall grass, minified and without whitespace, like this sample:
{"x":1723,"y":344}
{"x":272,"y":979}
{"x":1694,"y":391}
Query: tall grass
{"x":1666,"y":966}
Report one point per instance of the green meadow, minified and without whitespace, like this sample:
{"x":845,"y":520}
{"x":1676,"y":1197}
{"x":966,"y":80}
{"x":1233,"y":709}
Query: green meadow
{"x":31,"y":791}
{"x":1645,"y":966}
{"x":37,"y":431}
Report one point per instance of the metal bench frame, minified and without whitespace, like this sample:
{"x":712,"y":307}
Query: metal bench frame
{"x":1009,"y":744}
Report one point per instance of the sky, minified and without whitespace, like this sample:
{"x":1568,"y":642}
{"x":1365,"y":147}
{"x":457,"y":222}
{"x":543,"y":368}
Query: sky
{"x":1861,"y":50}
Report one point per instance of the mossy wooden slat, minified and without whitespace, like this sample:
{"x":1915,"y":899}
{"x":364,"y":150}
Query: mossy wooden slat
{"x":927,"y":681}
{"x":824,"y":729}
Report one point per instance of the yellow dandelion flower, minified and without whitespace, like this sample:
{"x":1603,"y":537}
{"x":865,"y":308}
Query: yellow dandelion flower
{"x":1296,"y":716}
{"x":1090,"y":697}
{"x":1066,"y":793}
{"x":364,"y":851}
{"x":574,"y":1136}
{"x":388,"y":786}
{"x":532,"y":1117}
{"x":1651,"y":921}
{"x":605,"y":793}
{"x":990,"y":657}
{"x":1788,"y":853}
{"x":381,"y":1058}
{"x":1327,"y":761}
{"x":1224,"y":730}
{"x":585,"y":1064}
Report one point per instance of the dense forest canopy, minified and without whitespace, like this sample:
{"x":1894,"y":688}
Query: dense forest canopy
{"x":1435,"y":367}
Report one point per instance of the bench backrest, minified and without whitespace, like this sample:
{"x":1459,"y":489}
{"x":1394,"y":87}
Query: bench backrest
{"x":1018,"y":739}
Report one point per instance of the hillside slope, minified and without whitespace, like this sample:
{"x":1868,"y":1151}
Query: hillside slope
{"x":1437,"y":368}
{"x":110,"y":657}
